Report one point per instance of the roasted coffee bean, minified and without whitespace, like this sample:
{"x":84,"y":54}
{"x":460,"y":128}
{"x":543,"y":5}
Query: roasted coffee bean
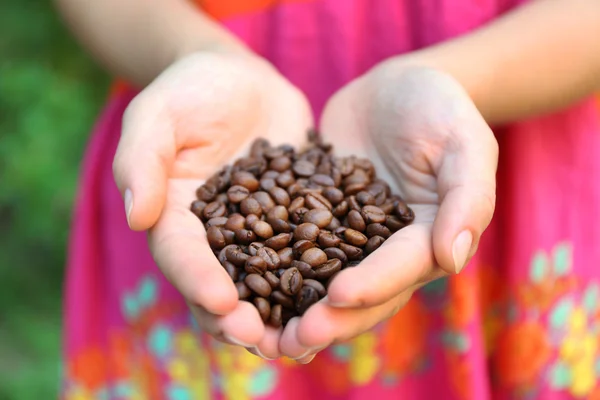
{"x":365,"y":164}
{"x":281,"y":163}
{"x":232,"y":270}
{"x":250,"y":220}
{"x":314,"y":257}
{"x":243,"y":290}
{"x":282,"y":299}
{"x":254,"y":165}
{"x":317,"y":200}
{"x":337,"y":177}
{"x":275,"y":319}
{"x":270,"y":256}
{"x":264,"y":308}
{"x":328,"y":268}
{"x":278,"y":212}
{"x":341,"y":209}
{"x":324,"y":168}
{"x":353,"y":204}
{"x":222,"y":257}
{"x":279,"y":241}
{"x":286,"y":256}
{"x":285,"y":179}
{"x":254,"y":247}
{"x":243,"y":274}
{"x":214,"y":209}
{"x":306,"y":231}
{"x":306,"y":298}
{"x":301,"y":246}
{"x":354,"y":188}
{"x":358,"y":177}
{"x":294,"y":190}
{"x":404,"y":212}
{"x":267,"y":184}
{"x":373,"y":244}
{"x":274,"y":152}
{"x":265,"y":200}
{"x":328,"y":239}
{"x":353,"y":252}
{"x":220,"y":181}
{"x":206,"y":192}
{"x":356,"y":221}
{"x":297,"y":216}
{"x":270,"y":175}
{"x":235,"y":222}
{"x":280,"y":226}
{"x":378,"y":230}
{"x":237,"y":193}
{"x":262,"y":229}
{"x":228,"y":235}
{"x":258,"y":147}
{"x":303,"y":168}
{"x":305,"y":269}
{"x":256,"y":265}
{"x":355,"y":238}
{"x":339,"y":232}
{"x":216,"y":221}
{"x":365,"y":198}
{"x":222,"y":198}
{"x":297,"y":203}
{"x":345,"y":166}
{"x":280,"y":196}
{"x":334,"y":224}
{"x":215,"y":238}
{"x":319,"y":217}
{"x":291,"y":281}
{"x":236,"y":255}
{"x":334,"y":195}
{"x":373,"y":215}
{"x":245,"y":236}
{"x":272,"y":279}
{"x":394,"y":223}
{"x":250,"y":206}
{"x":322,"y":180}
{"x":245,"y":179}
{"x":198,"y":207}
{"x":258,"y":285}
{"x":318,"y":286}
{"x":387,"y":207}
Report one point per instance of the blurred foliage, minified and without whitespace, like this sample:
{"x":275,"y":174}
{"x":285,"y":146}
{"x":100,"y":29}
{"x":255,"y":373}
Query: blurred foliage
{"x":50,"y":94}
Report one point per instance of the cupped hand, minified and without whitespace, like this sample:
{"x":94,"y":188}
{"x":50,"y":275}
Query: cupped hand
{"x":426,"y":137}
{"x":199,"y":114}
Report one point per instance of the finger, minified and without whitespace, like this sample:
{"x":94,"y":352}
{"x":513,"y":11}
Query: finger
{"x":323,"y":325}
{"x":402,"y":261}
{"x":179,"y":246}
{"x":467,"y":190}
{"x":289,"y":345}
{"x":241,"y":327}
{"x":144,"y":156}
{"x":268,"y":347}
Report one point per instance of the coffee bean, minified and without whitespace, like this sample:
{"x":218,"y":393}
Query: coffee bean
{"x":262,"y":229}
{"x":245,"y":236}
{"x":365,"y":164}
{"x":334,"y":195}
{"x":314,"y":257}
{"x":243,"y":290}
{"x":274,"y":152}
{"x":303,"y":168}
{"x":355,"y":238}
{"x":339,"y":232}
{"x":298,"y":202}
{"x":306,"y":231}
{"x":378,"y":230}
{"x":250,"y":220}
{"x":228,"y":235}
{"x":269,"y":175}
{"x":317,"y":200}
{"x":216,"y":221}
{"x":297,"y":216}
{"x":365,"y":198}
{"x":306,"y":298}
{"x":356,"y":221}
{"x":214,"y":209}
{"x":404,"y":212}
{"x":222,"y":257}
{"x":237,"y":193}
{"x":279,"y":241}
{"x":387,"y":207}
{"x":215,"y":238}
{"x":353,"y":252}
{"x":294,"y":190}
{"x":267,"y":184}
{"x":280,"y":196}
{"x":394,"y":223}
{"x":354,"y":188}
{"x":278,"y":212}
{"x":334,"y":224}
{"x":322,"y":180}
{"x":235,"y":222}
{"x":328,"y":239}
{"x":206,"y":192}
{"x":256,"y":265}
{"x":254,"y":165}
{"x":286,"y":256}
{"x":282,"y":299}
{"x":258,"y":285}
{"x":265,"y":200}
{"x":275,"y":317}
{"x":264,"y":308}
{"x":254,"y":247}
{"x":291,"y":281}
{"x":198,"y":207}
{"x":281,"y":163}
{"x":328,"y":268}
{"x":250,"y":206}
{"x":373,"y":244}
{"x":353,"y":204}
{"x":245,"y":179}
{"x":272,"y":279}
{"x":319,"y":217}
{"x":270,"y":256}
{"x":305,"y":269}
{"x":358,"y":177}
{"x":318,"y":286}
{"x":231,"y":270}
{"x":236,"y":255}
{"x":258,"y":147}
{"x":285,"y":179}
{"x":341,"y":209}
{"x":280,"y":226}
{"x":373,"y":215}
{"x":345,"y":166}
{"x":301,"y":246}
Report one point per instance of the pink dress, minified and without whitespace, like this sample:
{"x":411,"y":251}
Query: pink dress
{"x":522,"y":321}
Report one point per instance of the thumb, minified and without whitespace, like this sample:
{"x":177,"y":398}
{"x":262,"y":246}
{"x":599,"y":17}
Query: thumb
{"x":144,"y":156}
{"x":467,"y":190}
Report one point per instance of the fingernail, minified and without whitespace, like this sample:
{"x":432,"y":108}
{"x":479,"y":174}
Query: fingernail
{"x":261,"y":355}
{"x":461,"y":249}
{"x":305,"y":354}
{"x":236,"y":341}
{"x":307,"y":361}
{"x":128,"y":197}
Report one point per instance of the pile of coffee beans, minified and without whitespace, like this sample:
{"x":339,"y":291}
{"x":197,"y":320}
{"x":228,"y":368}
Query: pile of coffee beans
{"x":284,"y":222}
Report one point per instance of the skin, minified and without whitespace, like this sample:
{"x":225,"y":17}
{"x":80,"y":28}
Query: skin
{"x":423,"y":117}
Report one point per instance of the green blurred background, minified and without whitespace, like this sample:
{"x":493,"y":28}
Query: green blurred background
{"x":50,"y":95}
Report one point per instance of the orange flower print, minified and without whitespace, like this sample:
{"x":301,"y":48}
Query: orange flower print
{"x":463,"y":300}
{"x":88,"y":368}
{"x":460,"y":375}
{"x":522,"y":351}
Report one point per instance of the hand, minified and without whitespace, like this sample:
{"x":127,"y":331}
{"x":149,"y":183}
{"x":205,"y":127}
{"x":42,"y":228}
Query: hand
{"x":199,"y":114}
{"x":424,"y":134}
